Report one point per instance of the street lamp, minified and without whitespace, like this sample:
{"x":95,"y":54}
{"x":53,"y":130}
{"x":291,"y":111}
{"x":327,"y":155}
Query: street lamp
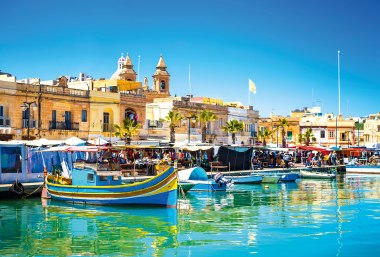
{"x":26,"y":106}
{"x":192,"y":118}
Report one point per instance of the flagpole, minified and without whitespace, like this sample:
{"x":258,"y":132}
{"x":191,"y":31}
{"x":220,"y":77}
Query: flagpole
{"x":339,"y":82}
{"x":249,"y":95}
{"x":189,"y":82}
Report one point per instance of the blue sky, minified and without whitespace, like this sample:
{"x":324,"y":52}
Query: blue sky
{"x":287,"y":47}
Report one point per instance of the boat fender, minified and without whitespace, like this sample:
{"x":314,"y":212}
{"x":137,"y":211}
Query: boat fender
{"x":17,"y":188}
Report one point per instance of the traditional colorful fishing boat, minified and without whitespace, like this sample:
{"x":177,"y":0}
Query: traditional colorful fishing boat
{"x":100,"y":183}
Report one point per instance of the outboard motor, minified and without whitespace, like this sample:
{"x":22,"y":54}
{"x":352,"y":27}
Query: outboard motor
{"x":219,"y":178}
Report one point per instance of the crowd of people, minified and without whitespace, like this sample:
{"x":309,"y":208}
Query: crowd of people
{"x":289,"y":159}
{"x":146,"y":158}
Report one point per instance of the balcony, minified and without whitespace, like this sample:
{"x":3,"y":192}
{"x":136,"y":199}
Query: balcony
{"x":32,"y":123}
{"x":62,"y":125}
{"x":155,"y":124}
{"x":107,"y":127}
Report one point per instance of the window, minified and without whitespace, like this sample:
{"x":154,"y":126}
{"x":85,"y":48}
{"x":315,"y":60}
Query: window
{"x":84,"y":115}
{"x":1,"y":111}
{"x":54,"y":119}
{"x":106,"y":121}
{"x":10,"y":160}
{"x":54,"y":115}
{"x":115,"y":178}
{"x":90,"y":177}
{"x":103,"y":178}
{"x":162,"y":85}
{"x":25,"y":118}
{"x":289,"y":135}
{"x":130,"y":114}
{"x":323,"y":134}
{"x":331,"y":134}
{"x":68,"y":120}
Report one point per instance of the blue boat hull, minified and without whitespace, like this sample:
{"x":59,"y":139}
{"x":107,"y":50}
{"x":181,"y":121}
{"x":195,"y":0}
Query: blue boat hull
{"x":289,"y":177}
{"x":160,"y":190}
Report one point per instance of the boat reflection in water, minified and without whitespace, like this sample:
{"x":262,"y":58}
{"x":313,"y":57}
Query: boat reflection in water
{"x":61,"y":229}
{"x":325,"y":217}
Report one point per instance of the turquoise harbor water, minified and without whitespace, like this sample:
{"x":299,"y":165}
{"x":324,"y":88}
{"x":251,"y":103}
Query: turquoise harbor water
{"x":308,"y":218}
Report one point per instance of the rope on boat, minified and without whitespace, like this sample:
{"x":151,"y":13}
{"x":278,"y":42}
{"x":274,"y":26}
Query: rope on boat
{"x":26,"y":196}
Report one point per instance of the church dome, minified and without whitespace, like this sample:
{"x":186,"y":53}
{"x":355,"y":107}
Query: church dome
{"x":120,"y":61}
{"x":116,"y":74}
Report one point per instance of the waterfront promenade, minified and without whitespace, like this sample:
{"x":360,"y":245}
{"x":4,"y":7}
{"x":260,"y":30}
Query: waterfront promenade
{"x":31,"y":187}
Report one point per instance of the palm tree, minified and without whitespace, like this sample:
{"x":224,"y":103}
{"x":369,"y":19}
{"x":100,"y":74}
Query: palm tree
{"x":233,"y":127}
{"x":305,"y":138}
{"x":128,"y":130}
{"x":283,"y":123}
{"x":264,"y":135}
{"x":174,"y":117}
{"x":206,"y":116}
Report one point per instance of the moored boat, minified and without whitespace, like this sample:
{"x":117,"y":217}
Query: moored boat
{"x":278,"y":176}
{"x":364,"y":166}
{"x":101,"y":184}
{"x":270,"y":179}
{"x":17,"y":178}
{"x":317,"y":174}
{"x":198,"y":176}
{"x":288,"y":177}
{"x":185,"y":186}
{"x":246,"y":179}
{"x":363,"y":169}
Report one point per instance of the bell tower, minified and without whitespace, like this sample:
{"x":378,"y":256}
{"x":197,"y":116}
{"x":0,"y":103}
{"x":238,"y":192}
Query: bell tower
{"x":128,"y":73}
{"x":161,"y":77}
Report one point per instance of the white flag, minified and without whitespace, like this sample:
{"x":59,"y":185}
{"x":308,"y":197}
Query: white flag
{"x":252,"y":86}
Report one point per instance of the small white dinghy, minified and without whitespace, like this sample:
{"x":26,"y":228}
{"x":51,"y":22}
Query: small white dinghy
{"x":316,"y":174}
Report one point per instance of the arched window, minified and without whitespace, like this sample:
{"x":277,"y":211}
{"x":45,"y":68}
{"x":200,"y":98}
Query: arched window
{"x":130,"y":114}
{"x":162,"y":85}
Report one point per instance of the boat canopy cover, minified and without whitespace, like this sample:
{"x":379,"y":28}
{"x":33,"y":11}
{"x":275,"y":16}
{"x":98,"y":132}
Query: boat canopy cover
{"x":196,"y":173}
{"x":236,"y":160}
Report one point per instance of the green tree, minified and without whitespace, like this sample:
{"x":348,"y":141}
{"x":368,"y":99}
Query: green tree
{"x":174,"y":118}
{"x":307,"y":136}
{"x":205,"y":117}
{"x":263,"y":135}
{"x":233,"y":127}
{"x":283,"y":124}
{"x":127,"y":130}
